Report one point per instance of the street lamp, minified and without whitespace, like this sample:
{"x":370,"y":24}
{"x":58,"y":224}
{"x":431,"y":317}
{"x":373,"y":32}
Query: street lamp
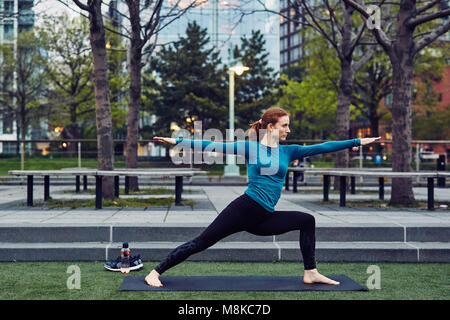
{"x":231,"y":169}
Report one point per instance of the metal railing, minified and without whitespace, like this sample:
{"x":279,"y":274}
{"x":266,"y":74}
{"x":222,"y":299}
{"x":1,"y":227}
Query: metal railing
{"x":84,"y":149}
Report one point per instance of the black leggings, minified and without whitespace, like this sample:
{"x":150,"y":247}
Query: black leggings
{"x":245,"y":214}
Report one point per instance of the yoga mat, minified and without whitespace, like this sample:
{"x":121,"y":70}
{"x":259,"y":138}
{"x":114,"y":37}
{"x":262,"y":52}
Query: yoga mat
{"x":239,"y":283}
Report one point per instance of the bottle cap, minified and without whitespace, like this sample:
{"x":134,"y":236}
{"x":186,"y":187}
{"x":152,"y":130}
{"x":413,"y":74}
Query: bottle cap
{"x":125,"y":245}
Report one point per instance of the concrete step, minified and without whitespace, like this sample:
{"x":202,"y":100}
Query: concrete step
{"x":55,"y":233}
{"x":371,"y":252}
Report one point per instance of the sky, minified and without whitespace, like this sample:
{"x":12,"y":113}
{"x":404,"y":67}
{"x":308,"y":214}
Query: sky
{"x":54,"y":8}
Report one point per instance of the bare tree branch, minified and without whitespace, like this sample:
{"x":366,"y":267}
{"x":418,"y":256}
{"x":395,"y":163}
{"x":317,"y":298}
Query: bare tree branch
{"x":116,"y":11}
{"x":357,"y":65}
{"x":319,"y":27}
{"x":381,"y":37}
{"x":153,"y":22}
{"x":303,"y":22}
{"x":432,"y":36}
{"x":333,"y":17}
{"x":64,"y":3}
{"x":428,"y":6}
{"x":82,"y":6}
{"x":358,"y":37}
{"x":432,"y":16}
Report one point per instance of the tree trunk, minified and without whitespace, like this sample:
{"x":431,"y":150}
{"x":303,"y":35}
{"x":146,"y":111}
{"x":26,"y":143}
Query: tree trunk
{"x":102,"y":103}
{"x":343,"y":114}
{"x":402,"y":59}
{"x":374,"y":125}
{"x":134,"y":69}
{"x":401,"y":131}
{"x":133,"y":113}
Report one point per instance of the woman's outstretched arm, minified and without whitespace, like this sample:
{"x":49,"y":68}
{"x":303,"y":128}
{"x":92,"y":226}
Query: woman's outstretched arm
{"x":330,"y":146}
{"x":237,"y":148}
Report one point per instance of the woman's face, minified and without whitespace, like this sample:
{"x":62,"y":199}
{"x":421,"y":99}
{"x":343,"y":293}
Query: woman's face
{"x":282,"y":127}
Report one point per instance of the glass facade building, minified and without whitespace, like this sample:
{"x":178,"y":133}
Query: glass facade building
{"x":15,"y":16}
{"x":228,"y":21}
{"x":292,"y":35}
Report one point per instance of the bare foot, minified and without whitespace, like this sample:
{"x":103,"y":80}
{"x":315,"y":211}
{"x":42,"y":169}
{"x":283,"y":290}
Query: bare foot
{"x":152,"y":279}
{"x":313,"y":276}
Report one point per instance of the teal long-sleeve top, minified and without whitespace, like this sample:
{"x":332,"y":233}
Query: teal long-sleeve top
{"x":267,"y":166}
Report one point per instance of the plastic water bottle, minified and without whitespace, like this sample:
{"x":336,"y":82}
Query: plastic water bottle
{"x":125,"y":258}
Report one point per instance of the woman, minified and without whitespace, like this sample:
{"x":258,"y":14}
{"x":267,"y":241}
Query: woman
{"x":254,"y":210}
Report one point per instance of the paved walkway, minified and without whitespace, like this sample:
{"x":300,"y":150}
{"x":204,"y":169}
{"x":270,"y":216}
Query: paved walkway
{"x":344,"y":234}
{"x":211,"y":200}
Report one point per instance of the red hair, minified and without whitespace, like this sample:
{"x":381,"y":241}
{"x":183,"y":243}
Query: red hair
{"x":271,"y":115}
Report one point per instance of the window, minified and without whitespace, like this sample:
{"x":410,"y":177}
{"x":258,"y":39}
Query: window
{"x":388,"y":99}
{"x":7,"y":125}
{"x":363,"y":132}
{"x":8,"y":31}
{"x":283,"y":29}
{"x":295,"y":39}
{"x":295,"y":54}
{"x":283,"y":44}
{"x":8,"y":7}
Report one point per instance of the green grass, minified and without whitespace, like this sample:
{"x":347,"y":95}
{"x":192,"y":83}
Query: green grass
{"x":48,"y":280}
{"x":142,"y":191}
{"x":118,"y":202}
{"x":38,"y":163}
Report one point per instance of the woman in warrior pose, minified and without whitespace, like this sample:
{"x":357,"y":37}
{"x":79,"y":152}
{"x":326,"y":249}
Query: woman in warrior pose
{"x":254,"y":211}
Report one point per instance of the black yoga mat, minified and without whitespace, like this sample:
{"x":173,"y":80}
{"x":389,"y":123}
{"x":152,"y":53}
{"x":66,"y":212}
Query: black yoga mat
{"x":239,"y":283}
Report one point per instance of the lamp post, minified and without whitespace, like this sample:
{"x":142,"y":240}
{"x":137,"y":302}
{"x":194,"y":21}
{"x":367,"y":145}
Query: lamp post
{"x":231,"y":169}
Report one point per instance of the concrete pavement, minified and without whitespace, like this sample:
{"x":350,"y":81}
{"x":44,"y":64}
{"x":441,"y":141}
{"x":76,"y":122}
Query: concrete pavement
{"x":343,"y":234}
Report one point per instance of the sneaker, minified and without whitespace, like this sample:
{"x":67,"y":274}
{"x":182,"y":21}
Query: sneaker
{"x":135,"y":264}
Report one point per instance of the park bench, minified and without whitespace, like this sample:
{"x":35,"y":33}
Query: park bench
{"x":99,"y":174}
{"x":378,"y":173}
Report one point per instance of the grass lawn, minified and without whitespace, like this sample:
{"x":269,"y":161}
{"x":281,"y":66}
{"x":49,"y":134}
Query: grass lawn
{"x":34,"y":163}
{"x":48,"y":281}
{"x":39,"y":163}
{"x":166,"y":202}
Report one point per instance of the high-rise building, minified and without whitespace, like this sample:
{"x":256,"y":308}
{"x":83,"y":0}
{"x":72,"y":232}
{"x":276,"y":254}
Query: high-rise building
{"x":227,"y":21}
{"x":292,"y":36}
{"x":15,"y":16}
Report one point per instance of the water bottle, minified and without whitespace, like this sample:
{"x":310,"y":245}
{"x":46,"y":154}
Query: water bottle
{"x":125,"y":258}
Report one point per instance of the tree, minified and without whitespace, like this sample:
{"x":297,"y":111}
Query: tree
{"x":311,"y":95}
{"x":430,"y":122}
{"x":407,"y":41}
{"x":101,"y":87}
{"x":335,"y":22}
{"x":119,"y":79}
{"x":142,"y":24}
{"x":71,"y":94}
{"x":23,"y":80}
{"x":191,"y":85}
{"x":254,"y":89}
{"x":372,"y":84}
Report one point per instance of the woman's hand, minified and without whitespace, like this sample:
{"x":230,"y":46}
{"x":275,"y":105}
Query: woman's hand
{"x":365,"y":141}
{"x":165,"y":140}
